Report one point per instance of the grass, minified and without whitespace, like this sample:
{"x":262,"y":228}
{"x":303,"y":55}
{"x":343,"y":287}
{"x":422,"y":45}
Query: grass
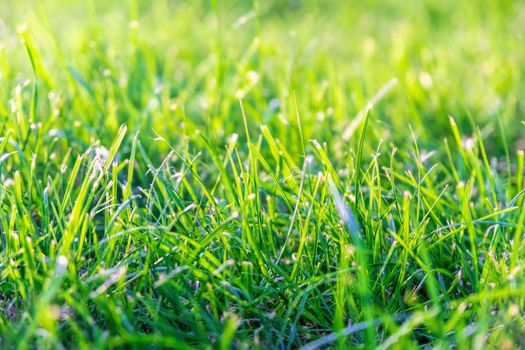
{"x":262,"y":174}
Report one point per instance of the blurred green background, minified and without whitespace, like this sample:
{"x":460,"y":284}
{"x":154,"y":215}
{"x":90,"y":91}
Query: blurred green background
{"x":182,"y":65}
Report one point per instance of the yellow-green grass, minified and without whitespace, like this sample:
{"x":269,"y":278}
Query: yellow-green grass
{"x":262,"y":174}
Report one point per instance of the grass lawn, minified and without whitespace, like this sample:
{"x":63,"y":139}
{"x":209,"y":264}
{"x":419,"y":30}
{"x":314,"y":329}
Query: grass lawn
{"x":254,"y":174}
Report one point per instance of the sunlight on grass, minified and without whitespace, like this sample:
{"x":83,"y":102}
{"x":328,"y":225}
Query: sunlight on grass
{"x":262,"y":174}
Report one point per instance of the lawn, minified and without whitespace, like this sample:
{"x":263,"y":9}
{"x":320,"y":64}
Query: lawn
{"x":254,"y":174}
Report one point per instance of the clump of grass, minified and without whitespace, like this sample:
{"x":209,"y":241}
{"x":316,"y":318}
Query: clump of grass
{"x":274,"y":175}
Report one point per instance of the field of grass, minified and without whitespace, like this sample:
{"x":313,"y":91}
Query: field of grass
{"x":256,"y":174}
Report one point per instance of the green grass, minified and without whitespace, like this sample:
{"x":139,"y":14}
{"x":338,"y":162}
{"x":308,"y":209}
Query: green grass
{"x":262,"y":174}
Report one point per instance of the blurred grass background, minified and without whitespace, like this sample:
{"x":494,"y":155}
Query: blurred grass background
{"x":157,"y":64}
